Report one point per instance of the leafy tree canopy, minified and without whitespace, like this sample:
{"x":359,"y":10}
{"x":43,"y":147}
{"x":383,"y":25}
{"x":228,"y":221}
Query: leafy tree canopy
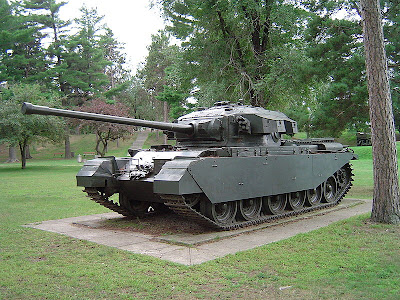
{"x":337,"y":60}
{"x":240,"y":49}
{"x":22,"y":130}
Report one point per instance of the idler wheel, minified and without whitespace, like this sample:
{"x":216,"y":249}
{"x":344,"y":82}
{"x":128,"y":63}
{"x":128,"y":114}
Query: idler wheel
{"x":250,"y":209}
{"x":274,"y":205}
{"x":314,"y":196}
{"x":221,"y":213}
{"x":192,"y":200}
{"x":296,"y":200}
{"x":330,"y":190}
{"x":343,"y":177}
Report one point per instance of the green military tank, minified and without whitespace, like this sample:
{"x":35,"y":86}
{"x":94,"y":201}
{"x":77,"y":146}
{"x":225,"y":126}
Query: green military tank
{"x":230,"y":168}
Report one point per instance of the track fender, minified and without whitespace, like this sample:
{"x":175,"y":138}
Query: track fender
{"x":97,"y":172}
{"x":234,"y":178}
{"x":174,"y":178}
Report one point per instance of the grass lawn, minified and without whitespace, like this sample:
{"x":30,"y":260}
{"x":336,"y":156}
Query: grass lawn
{"x":352,"y":259}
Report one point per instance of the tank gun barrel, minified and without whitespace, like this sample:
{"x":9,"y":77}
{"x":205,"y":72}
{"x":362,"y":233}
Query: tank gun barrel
{"x":29,"y":108}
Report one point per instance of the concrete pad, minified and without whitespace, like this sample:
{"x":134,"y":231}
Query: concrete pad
{"x":191,"y":249}
{"x":117,"y":239}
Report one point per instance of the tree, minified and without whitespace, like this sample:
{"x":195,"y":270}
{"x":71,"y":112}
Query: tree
{"x":12,"y":154}
{"x":386,"y":203}
{"x":175,"y":100}
{"x":391,"y":28}
{"x":337,"y":64}
{"x":117,"y":75}
{"x":138,"y":99}
{"x":45,"y":13}
{"x":161,"y":56}
{"x":105,"y":132}
{"x":22,"y":56}
{"x":7,"y":22}
{"x":174,"y":91}
{"x":21,"y":130}
{"x":240,"y":49}
{"x":85,"y":74}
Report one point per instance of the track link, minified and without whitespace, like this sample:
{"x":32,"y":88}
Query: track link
{"x":103,"y":200}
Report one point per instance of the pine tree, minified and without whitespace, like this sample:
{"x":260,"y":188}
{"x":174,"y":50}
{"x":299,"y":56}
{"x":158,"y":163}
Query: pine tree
{"x":391,"y":28}
{"x":117,"y":74}
{"x":46,"y":14}
{"x":22,"y":57}
{"x":85,"y":74}
{"x":161,"y":55}
{"x":337,"y":54}
{"x":7,"y":21}
{"x":337,"y":59}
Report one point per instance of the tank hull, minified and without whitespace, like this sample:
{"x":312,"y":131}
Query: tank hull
{"x":221,"y":179}
{"x":224,"y":188}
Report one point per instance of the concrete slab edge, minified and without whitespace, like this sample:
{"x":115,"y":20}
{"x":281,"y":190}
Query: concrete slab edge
{"x":196,"y":240}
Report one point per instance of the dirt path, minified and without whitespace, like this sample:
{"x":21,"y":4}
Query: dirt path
{"x":140,"y":139}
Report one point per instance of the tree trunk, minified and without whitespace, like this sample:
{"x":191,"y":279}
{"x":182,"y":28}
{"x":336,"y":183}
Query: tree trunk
{"x":386,"y":206}
{"x":22,"y":149}
{"x":98,"y":141}
{"x":165,"y":120}
{"x":102,"y":143}
{"x":67,"y":144}
{"x":28,"y":152}
{"x":12,"y":155}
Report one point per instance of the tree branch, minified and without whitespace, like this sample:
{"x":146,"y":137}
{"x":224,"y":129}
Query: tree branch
{"x":229,"y":34}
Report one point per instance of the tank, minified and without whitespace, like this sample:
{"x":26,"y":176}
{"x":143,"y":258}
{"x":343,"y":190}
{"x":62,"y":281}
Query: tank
{"x":231,"y":167}
{"x":363,"y":139}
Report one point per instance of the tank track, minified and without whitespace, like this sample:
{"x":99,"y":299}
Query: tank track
{"x":103,"y":200}
{"x":178,"y":204}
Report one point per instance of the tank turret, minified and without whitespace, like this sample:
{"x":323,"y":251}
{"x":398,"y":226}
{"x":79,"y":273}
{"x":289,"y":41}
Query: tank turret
{"x":230,"y":168}
{"x":224,"y":124}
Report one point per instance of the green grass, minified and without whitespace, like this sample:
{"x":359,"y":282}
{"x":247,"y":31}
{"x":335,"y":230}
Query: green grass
{"x":363,"y":184}
{"x":352,"y":259}
{"x":348,"y":138}
{"x":156,"y":138}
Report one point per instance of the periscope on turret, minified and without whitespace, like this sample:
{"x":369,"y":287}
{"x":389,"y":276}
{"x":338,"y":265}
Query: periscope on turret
{"x":230,"y":168}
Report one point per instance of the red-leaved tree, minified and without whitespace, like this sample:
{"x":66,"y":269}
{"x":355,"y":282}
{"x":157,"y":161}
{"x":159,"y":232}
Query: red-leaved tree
{"x":105,"y":132}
